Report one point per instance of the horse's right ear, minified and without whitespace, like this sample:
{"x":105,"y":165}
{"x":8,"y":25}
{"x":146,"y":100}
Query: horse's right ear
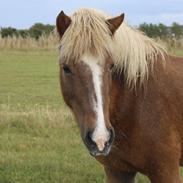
{"x":62,"y":23}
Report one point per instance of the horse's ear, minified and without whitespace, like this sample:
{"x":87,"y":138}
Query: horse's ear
{"x":62,"y":23}
{"x":115,"y":22}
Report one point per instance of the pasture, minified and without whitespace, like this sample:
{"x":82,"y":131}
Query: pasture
{"x":39,"y":140}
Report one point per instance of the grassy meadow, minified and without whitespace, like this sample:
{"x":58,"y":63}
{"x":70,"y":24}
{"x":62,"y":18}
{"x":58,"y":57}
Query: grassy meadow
{"x":39,"y":140}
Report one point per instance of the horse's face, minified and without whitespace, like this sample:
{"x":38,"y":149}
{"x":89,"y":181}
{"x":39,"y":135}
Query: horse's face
{"x":86,"y":90}
{"x":85,"y":85}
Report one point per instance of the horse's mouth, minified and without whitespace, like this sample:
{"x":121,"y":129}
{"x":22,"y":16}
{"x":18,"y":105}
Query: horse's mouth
{"x":105,"y":152}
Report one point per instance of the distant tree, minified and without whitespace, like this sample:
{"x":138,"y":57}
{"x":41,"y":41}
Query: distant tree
{"x":153,"y":30}
{"x":149,"y":29}
{"x":177,"y":30}
{"x":145,"y":28}
{"x":23,"y":33}
{"x":9,"y":31}
{"x":40,"y":29}
{"x":163,"y":31}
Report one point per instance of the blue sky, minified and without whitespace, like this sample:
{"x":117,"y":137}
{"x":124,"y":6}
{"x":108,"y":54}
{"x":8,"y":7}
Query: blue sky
{"x":24,"y":13}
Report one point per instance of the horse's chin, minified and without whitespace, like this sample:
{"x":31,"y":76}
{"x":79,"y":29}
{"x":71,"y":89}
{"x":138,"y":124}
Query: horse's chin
{"x":97,"y":153}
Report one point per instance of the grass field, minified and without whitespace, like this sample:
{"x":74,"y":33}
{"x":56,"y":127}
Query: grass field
{"x":39,"y":140}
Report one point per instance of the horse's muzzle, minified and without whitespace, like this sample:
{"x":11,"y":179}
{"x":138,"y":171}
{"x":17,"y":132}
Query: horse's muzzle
{"x":92,"y":146}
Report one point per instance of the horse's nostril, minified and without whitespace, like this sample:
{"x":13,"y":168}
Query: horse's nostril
{"x":89,"y":140}
{"x":112,"y":136}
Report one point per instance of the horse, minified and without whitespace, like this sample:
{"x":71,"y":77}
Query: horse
{"x":126,"y":93}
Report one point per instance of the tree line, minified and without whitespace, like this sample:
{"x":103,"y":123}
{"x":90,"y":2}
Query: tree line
{"x":152,"y":30}
{"x":35,"y":31}
{"x":162,"y":31}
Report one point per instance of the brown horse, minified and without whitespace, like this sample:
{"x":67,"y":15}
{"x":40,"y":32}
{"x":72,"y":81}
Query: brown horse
{"x":126,"y":94}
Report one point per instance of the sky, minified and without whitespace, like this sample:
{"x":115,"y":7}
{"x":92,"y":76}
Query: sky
{"x":24,"y":13}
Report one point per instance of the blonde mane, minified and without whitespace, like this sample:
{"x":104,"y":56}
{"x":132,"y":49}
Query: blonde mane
{"x":131,"y":50}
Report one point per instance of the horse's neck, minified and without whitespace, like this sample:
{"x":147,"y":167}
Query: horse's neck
{"x":159,"y":101}
{"x":128,"y":106}
{"x":127,"y":102}
{"x":122,"y":103}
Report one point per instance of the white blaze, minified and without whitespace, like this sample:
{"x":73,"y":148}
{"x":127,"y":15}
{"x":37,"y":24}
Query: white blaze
{"x":100,"y":135}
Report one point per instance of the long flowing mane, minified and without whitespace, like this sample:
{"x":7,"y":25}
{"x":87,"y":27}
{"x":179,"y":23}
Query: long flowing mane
{"x":132,"y":51}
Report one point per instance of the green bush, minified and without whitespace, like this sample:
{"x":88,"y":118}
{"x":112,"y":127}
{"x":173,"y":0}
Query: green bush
{"x":40,"y":29}
{"x":177,"y":30}
{"x":9,"y":32}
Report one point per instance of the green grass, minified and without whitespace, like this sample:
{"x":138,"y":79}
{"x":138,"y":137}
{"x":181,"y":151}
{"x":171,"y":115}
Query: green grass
{"x":29,"y":78}
{"x":42,"y":145}
{"x":39,"y":140}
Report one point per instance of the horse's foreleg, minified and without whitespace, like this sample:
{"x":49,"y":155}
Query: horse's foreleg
{"x":114,"y":176}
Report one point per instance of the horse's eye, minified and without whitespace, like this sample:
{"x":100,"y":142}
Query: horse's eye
{"x":111,"y":66}
{"x":66,"y":69}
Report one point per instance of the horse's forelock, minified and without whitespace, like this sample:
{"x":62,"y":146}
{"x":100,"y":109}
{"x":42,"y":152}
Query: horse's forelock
{"x":132,"y":51}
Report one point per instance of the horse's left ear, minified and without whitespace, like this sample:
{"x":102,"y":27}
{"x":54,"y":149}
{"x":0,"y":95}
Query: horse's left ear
{"x":62,"y":23}
{"x":115,"y":22}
